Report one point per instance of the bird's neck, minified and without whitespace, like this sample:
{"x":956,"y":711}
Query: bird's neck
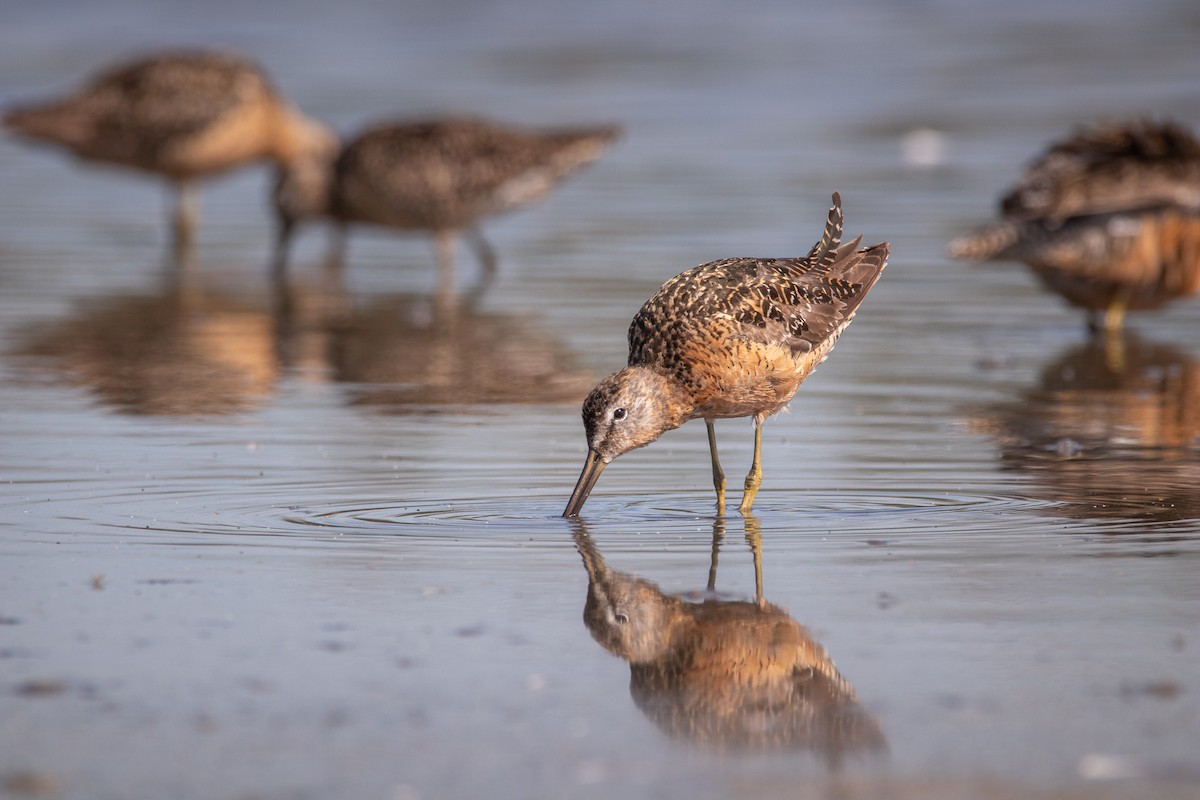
{"x":297,"y":137}
{"x":670,"y":397}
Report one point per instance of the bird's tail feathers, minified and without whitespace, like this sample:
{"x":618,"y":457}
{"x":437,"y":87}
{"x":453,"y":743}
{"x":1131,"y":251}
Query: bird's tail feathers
{"x":988,"y":242}
{"x":48,"y":121}
{"x":582,"y":146}
{"x":825,"y":252}
{"x":867,"y":264}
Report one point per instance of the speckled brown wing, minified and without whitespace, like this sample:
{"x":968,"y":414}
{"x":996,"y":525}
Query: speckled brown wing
{"x":134,"y":112}
{"x":1110,"y":167}
{"x":802,"y":306}
{"x":742,"y":334}
{"x":796,"y":302}
{"x":447,"y":173}
{"x":783,"y":301}
{"x":397,"y":175}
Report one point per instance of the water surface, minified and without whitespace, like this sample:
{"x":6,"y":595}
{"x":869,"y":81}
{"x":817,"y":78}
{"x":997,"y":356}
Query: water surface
{"x":308,"y":546}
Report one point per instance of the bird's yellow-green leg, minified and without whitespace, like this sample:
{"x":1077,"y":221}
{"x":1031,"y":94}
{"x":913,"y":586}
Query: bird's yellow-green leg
{"x":754,"y":476}
{"x":1111,"y":319}
{"x":1114,"y":315}
{"x":718,"y":473}
{"x":1114,"y":341}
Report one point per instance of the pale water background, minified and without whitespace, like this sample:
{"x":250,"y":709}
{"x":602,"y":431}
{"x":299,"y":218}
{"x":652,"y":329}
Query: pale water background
{"x":250,"y":554}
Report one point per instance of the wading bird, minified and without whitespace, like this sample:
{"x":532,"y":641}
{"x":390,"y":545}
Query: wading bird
{"x":731,"y":338}
{"x":441,"y":176}
{"x":1108,"y":218}
{"x":183,"y":115}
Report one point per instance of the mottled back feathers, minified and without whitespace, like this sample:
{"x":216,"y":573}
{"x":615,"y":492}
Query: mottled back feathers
{"x":1110,"y":167}
{"x":181,"y":113}
{"x":795,"y":302}
{"x":130,"y":113}
{"x":444,"y":174}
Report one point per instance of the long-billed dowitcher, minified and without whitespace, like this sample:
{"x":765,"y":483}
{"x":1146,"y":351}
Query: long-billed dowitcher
{"x":184,"y":115}
{"x":1109,"y":218}
{"x":441,"y":176}
{"x":731,"y":338}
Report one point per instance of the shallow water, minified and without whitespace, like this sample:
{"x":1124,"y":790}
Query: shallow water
{"x":309,"y":546}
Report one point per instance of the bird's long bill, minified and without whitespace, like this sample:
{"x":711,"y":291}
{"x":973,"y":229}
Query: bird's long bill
{"x":587,"y":479}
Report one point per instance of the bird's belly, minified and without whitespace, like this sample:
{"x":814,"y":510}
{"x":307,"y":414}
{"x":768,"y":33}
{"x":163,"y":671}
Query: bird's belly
{"x":750,"y":381}
{"x":730,"y":410}
{"x":406,"y":207}
{"x":760,"y":398}
{"x":239,"y":137}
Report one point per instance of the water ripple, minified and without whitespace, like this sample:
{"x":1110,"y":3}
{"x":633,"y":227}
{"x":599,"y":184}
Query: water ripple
{"x":328,"y":512}
{"x":798,"y":512}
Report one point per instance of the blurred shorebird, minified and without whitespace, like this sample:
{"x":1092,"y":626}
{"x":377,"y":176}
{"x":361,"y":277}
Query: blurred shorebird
{"x":441,"y":176}
{"x":184,"y":115}
{"x":1108,"y":218}
{"x":731,"y":338}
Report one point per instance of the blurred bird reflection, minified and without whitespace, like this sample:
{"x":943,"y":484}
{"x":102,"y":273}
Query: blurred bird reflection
{"x":732,"y":675}
{"x":1112,"y":430}
{"x":400,"y":351}
{"x":192,"y":349}
{"x":180,"y":351}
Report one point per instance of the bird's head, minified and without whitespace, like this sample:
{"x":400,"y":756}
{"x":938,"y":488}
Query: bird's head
{"x":306,"y":153}
{"x":303,"y":188}
{"x":628,"y":409}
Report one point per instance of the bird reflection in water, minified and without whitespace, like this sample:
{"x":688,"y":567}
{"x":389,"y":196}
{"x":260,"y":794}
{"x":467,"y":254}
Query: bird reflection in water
{"x":183,"y":350}
{"x":1112,"y":430}
{"x":403,"y":351}
{"x":732,"y":675}
{"x":191,"y":349}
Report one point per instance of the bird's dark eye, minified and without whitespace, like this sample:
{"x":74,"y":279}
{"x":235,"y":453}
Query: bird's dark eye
{"x":621,"y":618}
{"x":619,"y":414}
